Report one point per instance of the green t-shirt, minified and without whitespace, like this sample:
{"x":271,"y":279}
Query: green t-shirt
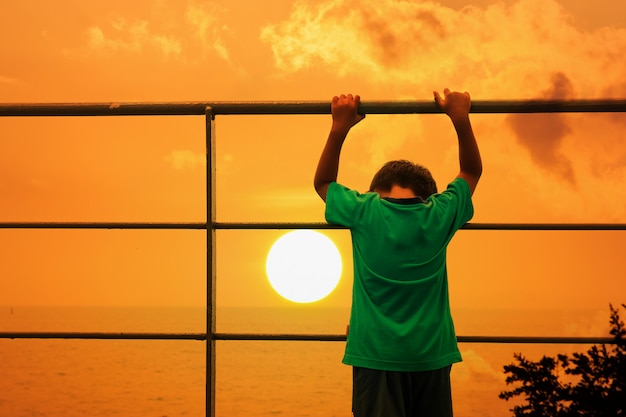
{"x":400,"y":318}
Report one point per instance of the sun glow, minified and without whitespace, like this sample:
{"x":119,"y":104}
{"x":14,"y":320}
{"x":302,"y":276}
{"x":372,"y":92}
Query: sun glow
{"x":303,"y":266}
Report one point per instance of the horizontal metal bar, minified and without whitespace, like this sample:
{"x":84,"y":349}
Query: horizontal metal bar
{"x":181,"y":226}
{"x":281,"y":337}
{"x":467,"y":226}
{"x":538,"y":340}
{"x":460,"y":339}
{"x":101,"y":225}
{"x":291,"y":337}
{"x":102,"y":336}
{"x":301,"y":107}
{"x":275,"y":226}
{"x":296,"y":225}
{"x":545,"y":226}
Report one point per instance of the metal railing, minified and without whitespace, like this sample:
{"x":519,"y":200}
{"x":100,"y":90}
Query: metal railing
{"x":297,"y":225}
{"x":568,"y":340}
{"x":212,"y":109}
{"x":221,"y":108}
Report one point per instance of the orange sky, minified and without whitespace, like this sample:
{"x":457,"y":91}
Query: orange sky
{"x":539,"y":168}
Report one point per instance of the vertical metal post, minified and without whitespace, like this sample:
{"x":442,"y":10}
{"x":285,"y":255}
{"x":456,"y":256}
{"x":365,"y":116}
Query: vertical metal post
{"x":210,"y":265}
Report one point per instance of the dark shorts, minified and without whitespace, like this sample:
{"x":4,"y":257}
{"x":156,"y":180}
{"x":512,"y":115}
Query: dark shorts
{"x":401,"y":394}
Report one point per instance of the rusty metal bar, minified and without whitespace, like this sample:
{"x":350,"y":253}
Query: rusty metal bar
{"x":301,"y":107}
{"x":292,"y":337}
{"x":295,"y":225}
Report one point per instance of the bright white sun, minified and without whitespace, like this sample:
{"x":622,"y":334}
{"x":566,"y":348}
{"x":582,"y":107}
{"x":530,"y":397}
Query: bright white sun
{"x":303,"y":266}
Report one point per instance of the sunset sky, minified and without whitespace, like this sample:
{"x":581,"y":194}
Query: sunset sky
{"x":537,"y":168}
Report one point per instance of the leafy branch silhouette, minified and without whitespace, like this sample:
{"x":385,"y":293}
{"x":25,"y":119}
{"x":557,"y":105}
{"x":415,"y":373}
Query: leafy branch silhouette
{"x":587,"y":384}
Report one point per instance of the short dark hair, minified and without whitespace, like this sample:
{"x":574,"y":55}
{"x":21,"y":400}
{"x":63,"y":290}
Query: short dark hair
{"x":405,"y":174}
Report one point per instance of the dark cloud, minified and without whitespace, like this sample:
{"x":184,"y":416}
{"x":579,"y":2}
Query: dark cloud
{"x":391,"y":41}
{"x":616,"y":91}
{"x":542,"y":134}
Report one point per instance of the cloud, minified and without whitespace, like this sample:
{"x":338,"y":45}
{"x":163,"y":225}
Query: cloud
{"x":205,"y":19}
{"x":387,"y":40}
{"x":507,"y":48}
{"x":196,"y":25}
{"x":186,"y":159}
{"x":132,"y":38}
{"x":348,"y":37}
{"x":542,"y":134}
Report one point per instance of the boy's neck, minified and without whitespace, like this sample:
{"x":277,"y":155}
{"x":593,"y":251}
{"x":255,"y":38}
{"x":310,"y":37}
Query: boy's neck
{"x":397,"y":192}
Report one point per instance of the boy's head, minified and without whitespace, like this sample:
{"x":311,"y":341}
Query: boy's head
{"x":405,"y":174}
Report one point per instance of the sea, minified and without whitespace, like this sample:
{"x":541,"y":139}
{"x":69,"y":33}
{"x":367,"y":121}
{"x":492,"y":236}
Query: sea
{"x":166,"y":378}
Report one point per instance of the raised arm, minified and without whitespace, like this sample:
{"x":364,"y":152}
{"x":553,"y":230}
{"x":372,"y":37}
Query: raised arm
{"x":457,"y":105}
{"x":344,"y":110}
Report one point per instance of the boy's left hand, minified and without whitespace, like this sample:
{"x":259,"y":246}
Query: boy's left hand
{"x":345,"y":111}
{"x":454,"y":103}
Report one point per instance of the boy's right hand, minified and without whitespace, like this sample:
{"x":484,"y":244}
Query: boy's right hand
{"x":457,"y":106}
{"x":345,"y":111}
{"x":454,"y":104}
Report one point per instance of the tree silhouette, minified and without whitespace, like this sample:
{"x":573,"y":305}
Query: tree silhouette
{"x":595,"y":385}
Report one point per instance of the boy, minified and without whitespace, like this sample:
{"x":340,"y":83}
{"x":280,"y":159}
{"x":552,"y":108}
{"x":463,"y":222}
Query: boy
{"x":401,"y":341}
